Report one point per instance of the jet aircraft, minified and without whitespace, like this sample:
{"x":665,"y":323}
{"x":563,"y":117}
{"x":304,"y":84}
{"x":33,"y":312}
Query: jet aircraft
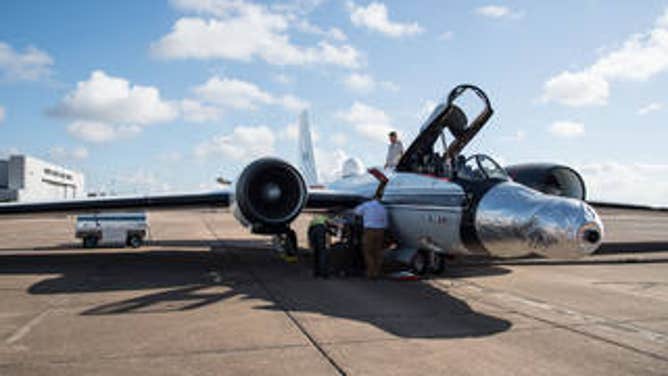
{"x":440,"y":202}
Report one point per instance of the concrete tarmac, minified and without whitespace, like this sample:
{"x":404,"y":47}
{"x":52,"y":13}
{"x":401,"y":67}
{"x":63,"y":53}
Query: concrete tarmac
{"x":206,"y":298}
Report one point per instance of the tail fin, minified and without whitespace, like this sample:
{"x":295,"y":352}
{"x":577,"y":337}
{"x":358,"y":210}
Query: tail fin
{"x":306,"y":158}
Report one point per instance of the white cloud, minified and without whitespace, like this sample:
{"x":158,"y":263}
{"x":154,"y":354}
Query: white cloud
{"x":577,"y":89}
{"x":97,"y":132}
{"x":197,"y":112}
{"x":333,"y":33}
{"x":3,"y":114}
{"x":630,"y":183}
{"x":359,"y":82}
{"x":498,"y":11}
{"x":567,"y":129}
{"x":654,"y":106}
{"x":108,"y":99}
{"x":244,"y":143}
{"x":238,"y":94}
{"x":106,"y":108}
{"x":230,"y":92}
{"x":265,"y":36}
{"x":63,"y":154}
{"x":31,"y":65}
{"x":368,"y":121}
{"x":375,"y":17}
{"x":446,"y":35}
{"x":292,"y":103}
{"x":639,"y":58}
{"x":365,"y":83}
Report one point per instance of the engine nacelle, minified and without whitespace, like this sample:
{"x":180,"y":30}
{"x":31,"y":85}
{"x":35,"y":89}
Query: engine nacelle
{"x":552,"y":179}
{"x":269,"y":195}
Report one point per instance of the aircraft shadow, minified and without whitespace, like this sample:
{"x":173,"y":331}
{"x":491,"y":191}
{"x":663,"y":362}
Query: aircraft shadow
{"x":188,"y":280}
{"x":212,"y":243}
{"x":632,"y":247}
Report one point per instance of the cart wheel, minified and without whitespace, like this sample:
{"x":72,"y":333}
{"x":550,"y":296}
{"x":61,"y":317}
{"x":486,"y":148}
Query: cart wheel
{"x":439,"y":264}
{"x":90,"y":242}
{"x":420,"y":263}
{"x":134,"y":241}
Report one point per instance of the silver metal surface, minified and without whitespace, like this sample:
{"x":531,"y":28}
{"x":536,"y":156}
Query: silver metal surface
{"x":424,"y":211}
{"x":513,"y":220}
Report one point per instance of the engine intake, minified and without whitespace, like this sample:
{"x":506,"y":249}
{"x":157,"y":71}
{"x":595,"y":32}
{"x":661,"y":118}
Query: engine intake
{"x":556,"y":180}
{"x":270,"y":193}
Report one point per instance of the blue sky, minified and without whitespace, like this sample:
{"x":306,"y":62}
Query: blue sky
{"x":168,"y":95}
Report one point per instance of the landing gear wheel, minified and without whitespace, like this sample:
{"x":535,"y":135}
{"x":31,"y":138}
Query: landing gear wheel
{"x":438,"y":266}
{"x":286,"y":245}
{"x":134,"y":241}
{"x":420,"y":263}
{"x":90,"y":242}
{"x":290,"y":243}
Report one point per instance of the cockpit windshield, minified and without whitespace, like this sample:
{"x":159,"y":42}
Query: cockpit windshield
{"x":479,"y":167}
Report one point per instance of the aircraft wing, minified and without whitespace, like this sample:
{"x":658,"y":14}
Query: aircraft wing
{"x":316,"y":201}
{"x":332,"y":200}
{"x":621,"y":206}
{"x":176,"y":201}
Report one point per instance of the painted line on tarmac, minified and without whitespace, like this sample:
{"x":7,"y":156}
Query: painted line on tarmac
{"x":23,"y":331}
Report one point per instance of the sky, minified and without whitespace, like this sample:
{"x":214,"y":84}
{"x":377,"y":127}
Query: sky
{"x":147,"y":96}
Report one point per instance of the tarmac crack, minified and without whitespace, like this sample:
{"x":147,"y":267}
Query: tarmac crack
{"x":288,"y":314}
{"x":300,"y":327}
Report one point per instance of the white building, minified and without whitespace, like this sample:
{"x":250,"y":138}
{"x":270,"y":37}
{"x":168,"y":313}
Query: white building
{"x":24,"y":178}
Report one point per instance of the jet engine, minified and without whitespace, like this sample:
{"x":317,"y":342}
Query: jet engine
{"x":269,"y":195}
{"x":552,"y":179}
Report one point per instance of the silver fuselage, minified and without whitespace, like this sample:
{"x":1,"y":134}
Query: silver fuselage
{"x":505,"y":220}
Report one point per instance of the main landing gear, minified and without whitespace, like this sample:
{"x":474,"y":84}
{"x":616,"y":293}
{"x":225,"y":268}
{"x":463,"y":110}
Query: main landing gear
{"x":286,"y":245}
{"x":424,"y":262}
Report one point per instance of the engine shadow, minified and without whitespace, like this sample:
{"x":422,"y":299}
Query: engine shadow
{"x":189,"y":280}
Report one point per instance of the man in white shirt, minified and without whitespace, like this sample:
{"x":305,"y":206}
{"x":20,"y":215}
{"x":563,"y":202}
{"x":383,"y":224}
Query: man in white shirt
{"x":374,"y":219}
{"x":394,"y":151}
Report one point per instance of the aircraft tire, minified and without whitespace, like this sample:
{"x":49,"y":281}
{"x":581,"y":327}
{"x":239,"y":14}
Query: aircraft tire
{"x":134,"y":241}
{"x":439,"y":264}
{"x":420,"y":263}
{"x":291,"y":246}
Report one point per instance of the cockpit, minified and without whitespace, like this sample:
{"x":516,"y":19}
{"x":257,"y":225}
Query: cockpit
{"x":478,"y":167}
{"x":431,"y":154}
